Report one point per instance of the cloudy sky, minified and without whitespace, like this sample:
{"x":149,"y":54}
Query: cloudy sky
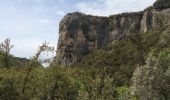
{"x":28,"y":23}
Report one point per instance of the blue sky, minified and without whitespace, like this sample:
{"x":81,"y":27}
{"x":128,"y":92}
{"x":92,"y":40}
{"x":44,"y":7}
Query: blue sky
{"x":28,"y":23}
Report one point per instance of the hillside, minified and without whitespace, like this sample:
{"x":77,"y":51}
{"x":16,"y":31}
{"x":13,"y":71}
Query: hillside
{"x":79,"y":34}
{"x":120,"y":57}
{"x":124,"y":45}
{"x":13,"y":61}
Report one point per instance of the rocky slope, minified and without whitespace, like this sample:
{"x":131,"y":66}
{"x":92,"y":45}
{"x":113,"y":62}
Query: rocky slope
{"x":80,"y":34}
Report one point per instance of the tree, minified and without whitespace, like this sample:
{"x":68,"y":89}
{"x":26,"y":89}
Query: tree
{"x":45,"y":49}
{"x":33,"y":64}
{"x":5,"y":47}
{"x":152,"y":80}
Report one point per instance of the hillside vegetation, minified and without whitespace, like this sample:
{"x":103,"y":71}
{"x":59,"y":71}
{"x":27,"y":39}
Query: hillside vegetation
{"x":161,"y":4}
{"x":104,"y":74}
{"x":136,"y":67}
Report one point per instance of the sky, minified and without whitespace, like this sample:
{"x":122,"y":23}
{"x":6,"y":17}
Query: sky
{"x":28,"y":23}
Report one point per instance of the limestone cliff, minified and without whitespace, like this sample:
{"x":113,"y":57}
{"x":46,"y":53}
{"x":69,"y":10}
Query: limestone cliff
{"x":80,"y":34}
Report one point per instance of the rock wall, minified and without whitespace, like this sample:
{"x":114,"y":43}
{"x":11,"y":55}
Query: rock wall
{"x":80,"y":34}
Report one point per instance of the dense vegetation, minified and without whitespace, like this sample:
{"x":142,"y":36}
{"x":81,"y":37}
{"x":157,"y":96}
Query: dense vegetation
{"x":7,"y":60}
{"x":161,"y":4}
{"x":134,"y":68}
{"x":13,"y":61}
{"x":105,"y":74}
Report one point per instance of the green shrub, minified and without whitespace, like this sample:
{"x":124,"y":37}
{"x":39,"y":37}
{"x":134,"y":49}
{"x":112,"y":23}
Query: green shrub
{"x":161,"y":4}
{"x":151,"y":82}
{"x":123,"y":93}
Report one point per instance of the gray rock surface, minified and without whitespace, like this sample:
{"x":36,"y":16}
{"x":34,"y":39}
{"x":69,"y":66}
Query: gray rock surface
{"x":80,"y":34}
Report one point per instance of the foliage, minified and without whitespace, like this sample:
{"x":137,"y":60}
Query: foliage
{"x":5,"y":48}
{"x":150,"y":81}
{"x":123,"y":93}
{"x":54,"y":83}
{"x":13,"y":61}
{"x":6,"y":59}
{"x":136,"y":67}
{"x":161,"y":4}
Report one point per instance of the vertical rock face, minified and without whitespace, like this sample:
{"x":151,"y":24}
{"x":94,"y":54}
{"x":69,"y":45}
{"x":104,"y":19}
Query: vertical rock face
{"x":124,"y":24}
{"x":80,"y":34}
{"x":146,"y":22}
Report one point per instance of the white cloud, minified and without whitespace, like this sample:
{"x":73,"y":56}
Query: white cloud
{"x":60,"y":13}
{"x":46,"y":21}
{"x":30,"y":22}
{"x":109,"y":7}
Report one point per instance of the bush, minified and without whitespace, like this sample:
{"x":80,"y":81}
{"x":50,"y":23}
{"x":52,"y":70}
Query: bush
{"x":162,"y":4}
{"x":150,"y":82}
{"x":123,"y":93}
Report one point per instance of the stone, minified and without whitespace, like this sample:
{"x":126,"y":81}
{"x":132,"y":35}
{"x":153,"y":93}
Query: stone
{"x":80,"y":34}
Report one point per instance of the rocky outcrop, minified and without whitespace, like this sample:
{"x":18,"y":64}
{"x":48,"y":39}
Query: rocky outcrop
{"x":80,"y":34}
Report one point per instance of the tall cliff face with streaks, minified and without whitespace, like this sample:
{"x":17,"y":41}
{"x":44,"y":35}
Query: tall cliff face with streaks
{"x":80,"y":34}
